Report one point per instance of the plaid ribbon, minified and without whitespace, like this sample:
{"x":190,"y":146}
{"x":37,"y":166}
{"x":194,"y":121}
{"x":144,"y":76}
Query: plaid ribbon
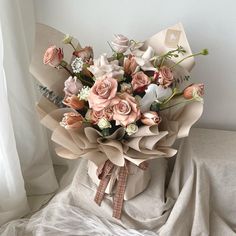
{"x":104,"y":173}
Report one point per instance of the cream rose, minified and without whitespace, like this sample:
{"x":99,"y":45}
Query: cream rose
{"x":150,"y":118}
{"x":102,"y":92}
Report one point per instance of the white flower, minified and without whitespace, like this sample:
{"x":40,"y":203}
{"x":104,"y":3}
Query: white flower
{"x":84,"y":93}
{"x":103,"y":67}
{"x":154,"y":93}
{"x":144,"y":61}
{"x":67,"y":39}
{"x":131,"y":129}
{"x":103,"y":123}
{"x":77,"y":65}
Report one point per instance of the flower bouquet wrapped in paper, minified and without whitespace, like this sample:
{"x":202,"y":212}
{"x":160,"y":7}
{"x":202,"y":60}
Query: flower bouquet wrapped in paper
{"x":117,"y":111}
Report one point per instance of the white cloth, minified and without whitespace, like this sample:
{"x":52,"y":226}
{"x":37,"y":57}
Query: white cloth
{"x":199,"y":198}
{"x":23,"y":144}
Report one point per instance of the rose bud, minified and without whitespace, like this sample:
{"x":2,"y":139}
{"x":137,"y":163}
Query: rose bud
{"x":120,"y":43}
{"x":53,"y":56}
{"x":67,"y":39}
{"x":131,"y":129}
{"x":85,"y":54}
{"x":130,"y":65}
{"x":166,"y":77}
{"x":73,"y":102}
{"x":140,"y":81}
{"x":194,"y":91}
{"x":72,"y":86}
{"x":103,"y":123}
{"x":150,"y":118}
{"x":72,"y":120}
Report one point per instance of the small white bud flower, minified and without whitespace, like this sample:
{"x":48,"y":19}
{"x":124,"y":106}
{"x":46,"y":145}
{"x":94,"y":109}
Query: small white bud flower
{"x":103,"y":123}
{"x":131,"y":129}
{"x":67,"y":39}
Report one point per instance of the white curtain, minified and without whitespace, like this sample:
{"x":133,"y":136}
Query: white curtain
{"x":25,"y":162}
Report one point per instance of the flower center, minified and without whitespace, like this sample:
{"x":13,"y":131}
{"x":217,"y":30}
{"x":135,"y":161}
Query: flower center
{"x":104,"y":88}
{"x":123,"y":107}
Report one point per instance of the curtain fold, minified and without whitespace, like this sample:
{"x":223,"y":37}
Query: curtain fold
{"x":25,"y":161}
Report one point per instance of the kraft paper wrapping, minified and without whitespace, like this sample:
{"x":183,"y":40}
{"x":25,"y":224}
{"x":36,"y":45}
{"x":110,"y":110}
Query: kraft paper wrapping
{"x":148,"y":143}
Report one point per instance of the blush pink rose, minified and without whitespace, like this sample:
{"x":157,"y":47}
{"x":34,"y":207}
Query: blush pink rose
{"x":125,"y":109}
{"x":140,"y":81}
{"x":102,"y":92}
{"x":53,"y":56}
{"x":106,"y":113}
{"x":166,"y":76}
{"x":150,"y":118}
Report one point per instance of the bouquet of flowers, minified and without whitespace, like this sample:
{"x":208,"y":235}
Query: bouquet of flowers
{"x":121,"y":110}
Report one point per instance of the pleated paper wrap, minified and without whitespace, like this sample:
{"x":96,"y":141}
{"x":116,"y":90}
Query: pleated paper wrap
{"x":148,"y":143}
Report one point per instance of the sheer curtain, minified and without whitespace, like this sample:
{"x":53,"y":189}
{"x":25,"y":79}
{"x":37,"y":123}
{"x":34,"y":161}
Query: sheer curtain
{"x":25,"y":162}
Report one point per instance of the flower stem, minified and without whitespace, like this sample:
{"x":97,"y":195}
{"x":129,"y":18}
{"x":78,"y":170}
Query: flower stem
{"x":193,"y":55}
{"x":72,"y":45}
{"x":187,"y":101}
{"x":65,"y":68}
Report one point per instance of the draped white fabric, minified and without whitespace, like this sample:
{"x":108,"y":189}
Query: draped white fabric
{"x":25,"y":161}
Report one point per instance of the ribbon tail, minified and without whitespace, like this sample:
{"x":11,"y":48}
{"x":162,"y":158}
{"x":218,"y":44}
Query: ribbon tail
{"x":104,"y":173}
{"x":120,"y":191}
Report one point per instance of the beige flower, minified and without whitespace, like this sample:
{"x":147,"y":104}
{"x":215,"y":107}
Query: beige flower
{"x":150,"y":118}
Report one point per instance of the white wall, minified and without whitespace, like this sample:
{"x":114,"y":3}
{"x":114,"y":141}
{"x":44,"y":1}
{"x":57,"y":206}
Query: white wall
{"x":208,"y":24}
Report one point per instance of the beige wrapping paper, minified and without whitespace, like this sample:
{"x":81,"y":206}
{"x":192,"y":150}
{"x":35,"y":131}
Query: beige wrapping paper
{"x":148,"y":143}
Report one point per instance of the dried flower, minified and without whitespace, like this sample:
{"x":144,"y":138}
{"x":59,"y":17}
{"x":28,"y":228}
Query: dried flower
{"x":77,"y":65}
{"x":72,"y":120}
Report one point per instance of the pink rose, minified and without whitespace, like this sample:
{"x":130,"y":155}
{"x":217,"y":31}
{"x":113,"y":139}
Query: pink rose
{"x":102,"y":92}
{"x":95,"y":116}
{"x":140,"y":81}
{"x":194,"y":90}
{"x":120,"y":43}
{"x":125,"y":109}
{"x":85,"y":53}
{"x":166,"y":77}
{"x":72,"y":120}
{"x":72,"y":86}
{"x":150,"y":118}
{"x":53,"y":56}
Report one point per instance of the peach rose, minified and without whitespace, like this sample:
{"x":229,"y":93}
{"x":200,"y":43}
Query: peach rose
{"x":194,"y":90}
{"x":150,"y":118}
{"x":130,"y":65}
{"x":102,"y":92}
{"x":140,"y":81}
{"x":95,"y":116}
{"x":125,"y":109}
{"x":53,"y":56}
{"x":72,"y":86}
{"x":73,"y":102}
{"x":72,"y":120}
{"x":166,"y":77}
